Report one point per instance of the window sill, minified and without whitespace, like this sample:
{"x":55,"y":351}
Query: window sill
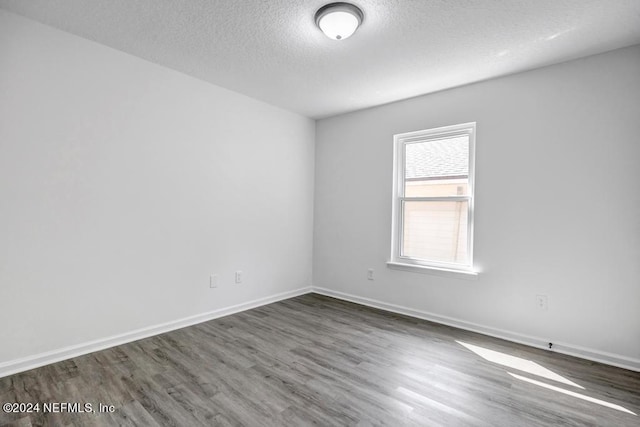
{"x":436,"y":271}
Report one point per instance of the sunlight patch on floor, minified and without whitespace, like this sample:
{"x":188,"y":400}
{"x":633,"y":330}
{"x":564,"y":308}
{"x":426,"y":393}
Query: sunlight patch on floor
{"x":574,"y":394}
{"x":518,"y":363}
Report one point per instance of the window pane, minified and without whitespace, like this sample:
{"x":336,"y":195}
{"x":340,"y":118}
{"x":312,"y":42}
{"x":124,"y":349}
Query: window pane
{"x":437,"y":168}
{"x":435,"y":231}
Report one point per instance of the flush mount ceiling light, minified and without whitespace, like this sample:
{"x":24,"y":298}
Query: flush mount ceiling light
{"x":340,"y":20}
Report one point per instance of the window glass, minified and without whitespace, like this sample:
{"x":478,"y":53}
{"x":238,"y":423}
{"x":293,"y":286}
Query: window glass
{"x":435,"y":231}
{"x":437,"y":168}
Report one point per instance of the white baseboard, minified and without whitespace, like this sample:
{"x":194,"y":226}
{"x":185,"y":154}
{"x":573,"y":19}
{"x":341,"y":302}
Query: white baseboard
{"x":563,"y":348}
{"x":30,"y":362}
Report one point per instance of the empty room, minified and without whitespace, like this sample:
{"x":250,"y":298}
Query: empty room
{"x":292,"y":213}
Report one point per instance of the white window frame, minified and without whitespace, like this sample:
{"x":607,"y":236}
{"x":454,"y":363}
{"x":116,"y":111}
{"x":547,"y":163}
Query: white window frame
{"x":398,"y":261}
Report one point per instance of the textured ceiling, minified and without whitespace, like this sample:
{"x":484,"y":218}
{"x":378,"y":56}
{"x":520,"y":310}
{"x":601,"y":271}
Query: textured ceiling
{"x":272,"y":51}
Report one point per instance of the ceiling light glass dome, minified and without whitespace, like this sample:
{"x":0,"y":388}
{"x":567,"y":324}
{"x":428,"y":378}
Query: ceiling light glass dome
{"x":339,"y":21}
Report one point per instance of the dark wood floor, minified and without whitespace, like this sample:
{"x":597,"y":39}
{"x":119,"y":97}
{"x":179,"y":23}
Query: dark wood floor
{"x":314,"y":360}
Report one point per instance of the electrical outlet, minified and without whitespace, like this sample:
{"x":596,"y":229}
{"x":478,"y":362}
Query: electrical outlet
{"x":542,"y":302}
{"x":370,"y":274}
{"x":213,"y":281}
{"x":238,"y":276}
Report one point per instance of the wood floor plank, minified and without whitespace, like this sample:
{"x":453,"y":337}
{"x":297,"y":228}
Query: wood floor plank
{"x":315,"y":360}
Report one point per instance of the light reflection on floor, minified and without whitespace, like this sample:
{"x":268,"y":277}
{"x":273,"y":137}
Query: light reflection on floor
{"x":518,"y":363}
{"x":574,"y":394}
{"x":533,"y":368}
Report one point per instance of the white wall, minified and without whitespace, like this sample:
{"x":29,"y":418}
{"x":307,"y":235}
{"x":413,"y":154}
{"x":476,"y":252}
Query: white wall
{"x":557,"y":206}
{"x":124,"y":184}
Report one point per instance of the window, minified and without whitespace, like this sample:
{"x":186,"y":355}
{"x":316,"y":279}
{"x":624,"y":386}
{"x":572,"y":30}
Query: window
{"x":433,"y":198}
